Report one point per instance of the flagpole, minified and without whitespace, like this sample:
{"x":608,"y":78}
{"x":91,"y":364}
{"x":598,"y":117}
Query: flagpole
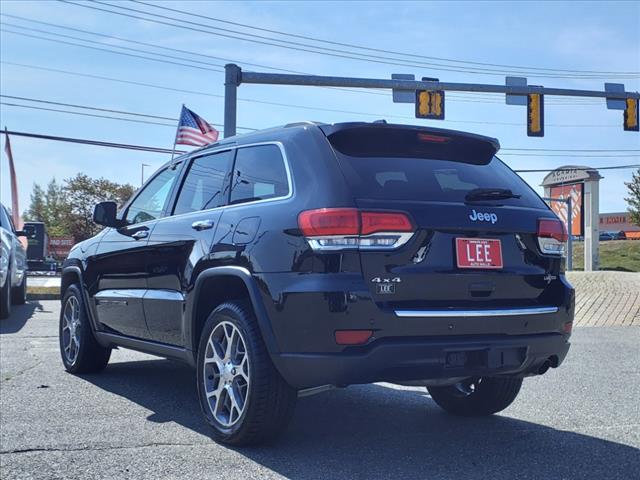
{"x":175,"y":139}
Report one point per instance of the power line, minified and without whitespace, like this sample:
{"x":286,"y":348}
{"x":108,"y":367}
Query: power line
{"x":247,"y":100}
{"x":475,"y":97}
{"x":609,"y":150}
{"x":299,"y":46}
{"x":99,"y":143}
{"x":615,"y":167}
{"x":33,"y":107}
{"x":567,"y":155}
{"x":110,"y":51}
{"x":586,"y":153}
{"x":361,"y":47}
{"x":86,"y":107}
{"x":166,"y":150}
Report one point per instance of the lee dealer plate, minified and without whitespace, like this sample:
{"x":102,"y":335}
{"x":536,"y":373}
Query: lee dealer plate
{"x":478,"y":253}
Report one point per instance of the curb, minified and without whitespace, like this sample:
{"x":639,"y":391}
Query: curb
{"x":43,"y":296}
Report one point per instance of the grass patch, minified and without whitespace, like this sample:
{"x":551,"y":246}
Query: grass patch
{"x":621,"y":255}
{"x":42,"y":290}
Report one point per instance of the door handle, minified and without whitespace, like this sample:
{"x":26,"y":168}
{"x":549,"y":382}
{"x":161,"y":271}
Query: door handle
{"x":202,"y":225}
{"x":140,"y":234}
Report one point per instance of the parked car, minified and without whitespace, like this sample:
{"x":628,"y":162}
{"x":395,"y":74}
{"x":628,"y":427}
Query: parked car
{"x":13,"y":265}
{"x":307,"y":256}
{"x":606,"y":236}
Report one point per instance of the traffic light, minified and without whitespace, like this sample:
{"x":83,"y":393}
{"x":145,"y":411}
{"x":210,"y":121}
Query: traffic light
{"x":430,"y":104}
{"x":631,"y":115}
{"x":535,"y":115}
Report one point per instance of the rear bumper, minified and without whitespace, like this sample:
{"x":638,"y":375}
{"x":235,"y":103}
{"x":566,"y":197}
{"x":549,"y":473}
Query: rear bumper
{"x":411,"y":359}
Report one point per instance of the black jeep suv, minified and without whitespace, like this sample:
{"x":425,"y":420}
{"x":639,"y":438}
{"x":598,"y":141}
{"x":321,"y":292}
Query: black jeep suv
{"x":313,"y":255}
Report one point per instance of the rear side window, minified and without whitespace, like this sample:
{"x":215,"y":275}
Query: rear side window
{"x":259,"y":173}
{"x":203,"y":186}
{"x":388,"y":178}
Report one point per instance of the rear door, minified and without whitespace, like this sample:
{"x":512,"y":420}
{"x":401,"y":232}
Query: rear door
{"x":465,"y":251}
{"x":179,"y":241}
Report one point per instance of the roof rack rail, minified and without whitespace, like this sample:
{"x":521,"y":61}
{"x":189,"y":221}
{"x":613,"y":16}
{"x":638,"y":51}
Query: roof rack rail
{"x":303,"y":122}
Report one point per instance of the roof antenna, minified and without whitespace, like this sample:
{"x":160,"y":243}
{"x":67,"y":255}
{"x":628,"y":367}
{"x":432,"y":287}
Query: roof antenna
{"x":382,"y":120}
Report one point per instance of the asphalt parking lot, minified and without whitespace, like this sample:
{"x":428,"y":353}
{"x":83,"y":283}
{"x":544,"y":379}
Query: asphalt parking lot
{"x":140,"y":419}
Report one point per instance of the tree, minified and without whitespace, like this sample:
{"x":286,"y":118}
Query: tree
{"x":634,"y":197}
{"x":83,"y":192}
{"x":37,"y":209}
{"x":68,"y":209}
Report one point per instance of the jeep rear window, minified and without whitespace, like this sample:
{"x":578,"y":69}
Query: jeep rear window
{"x":424,"y":172}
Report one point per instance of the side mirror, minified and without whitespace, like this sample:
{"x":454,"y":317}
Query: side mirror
{"x":105,"y":213}
{"x":28,"y":231}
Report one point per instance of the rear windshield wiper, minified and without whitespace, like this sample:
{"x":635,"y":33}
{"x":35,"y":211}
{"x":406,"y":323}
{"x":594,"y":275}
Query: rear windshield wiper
{"x":489,"y":194}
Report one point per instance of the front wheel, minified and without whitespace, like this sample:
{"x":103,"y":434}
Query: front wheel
{"x":242,"y":395}
{"x":477,"y":396}
{"x":19,"y":293}
{"x":80,"y":351}
{"x":5,"y":297}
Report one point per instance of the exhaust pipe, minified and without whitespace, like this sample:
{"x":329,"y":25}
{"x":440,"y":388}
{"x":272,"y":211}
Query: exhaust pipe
{"x":544,"y":367}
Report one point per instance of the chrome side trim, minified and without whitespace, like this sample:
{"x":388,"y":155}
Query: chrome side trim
{"x":167,"y":295}
{"x":506,"y":312}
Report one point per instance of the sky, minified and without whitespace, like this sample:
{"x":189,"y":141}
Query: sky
{"x":589,"y":36}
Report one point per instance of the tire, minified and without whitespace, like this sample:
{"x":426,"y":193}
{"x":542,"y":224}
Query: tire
{"x":5,"y":297}
{"x":477,"y":396}
{"x":84,"y":354}
{"x":19,"y":293}
{"x":264,"y":402}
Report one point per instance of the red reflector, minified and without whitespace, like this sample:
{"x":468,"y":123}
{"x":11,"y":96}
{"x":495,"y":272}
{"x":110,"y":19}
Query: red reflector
{"x":329,"y":221}
{"x":567,"y":327}
{"x":426,"y":137}
{"x":373,"y":222}
{"x":552,"y":228}
{"x":353,"y":337}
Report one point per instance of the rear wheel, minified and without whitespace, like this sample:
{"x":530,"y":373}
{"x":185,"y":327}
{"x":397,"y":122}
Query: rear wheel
{"x":19,"y":293}
{"x":242,"y":395}
{"x":80,"y":351}
{"x":477,"y":396}
{"x":5,"y":297}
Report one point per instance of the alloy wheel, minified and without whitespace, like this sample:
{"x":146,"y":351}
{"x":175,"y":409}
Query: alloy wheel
{"x":226,"y":374}
{"x":71,"y":329}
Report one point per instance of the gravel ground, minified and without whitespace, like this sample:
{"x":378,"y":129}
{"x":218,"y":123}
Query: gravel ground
{"x":140,"y":419}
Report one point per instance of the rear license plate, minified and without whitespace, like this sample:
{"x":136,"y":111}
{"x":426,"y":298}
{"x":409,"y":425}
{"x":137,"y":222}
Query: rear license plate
{"x":478,"y":253}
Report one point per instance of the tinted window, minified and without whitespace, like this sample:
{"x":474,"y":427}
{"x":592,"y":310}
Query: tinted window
{"x":431,"y":180}
{"x":204,"y":183}
{"x":259,"y":174}
{"x":150,"y":202}
{"x":5,"y":222}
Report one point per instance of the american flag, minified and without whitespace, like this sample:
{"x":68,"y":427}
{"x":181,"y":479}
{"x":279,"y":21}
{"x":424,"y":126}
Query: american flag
{"x":194,"y":130}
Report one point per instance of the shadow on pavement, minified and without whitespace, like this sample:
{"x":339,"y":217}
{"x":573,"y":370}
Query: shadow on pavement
{"x":372,"y":431}
{"x":19,"y":316}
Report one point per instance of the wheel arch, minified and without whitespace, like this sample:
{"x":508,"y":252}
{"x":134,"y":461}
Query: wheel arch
{"x":72,"y":274}
{"x":215,"y":286}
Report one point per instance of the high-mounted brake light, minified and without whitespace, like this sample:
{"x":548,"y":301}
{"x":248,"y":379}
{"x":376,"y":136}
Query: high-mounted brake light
{"x":340,"y":228}
{"x":427,"y":137}
{"x":552,"y":235}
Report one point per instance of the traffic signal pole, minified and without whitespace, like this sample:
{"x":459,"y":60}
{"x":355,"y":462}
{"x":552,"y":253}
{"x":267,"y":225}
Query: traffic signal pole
{"x":235,"y":76}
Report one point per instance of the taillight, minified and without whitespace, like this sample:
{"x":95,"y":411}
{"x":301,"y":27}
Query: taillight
{"x":340,"y":228}
{"x":552,"y":235}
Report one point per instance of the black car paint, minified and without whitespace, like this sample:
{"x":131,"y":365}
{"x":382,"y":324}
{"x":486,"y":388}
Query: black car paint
{"x":301,"y":297}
